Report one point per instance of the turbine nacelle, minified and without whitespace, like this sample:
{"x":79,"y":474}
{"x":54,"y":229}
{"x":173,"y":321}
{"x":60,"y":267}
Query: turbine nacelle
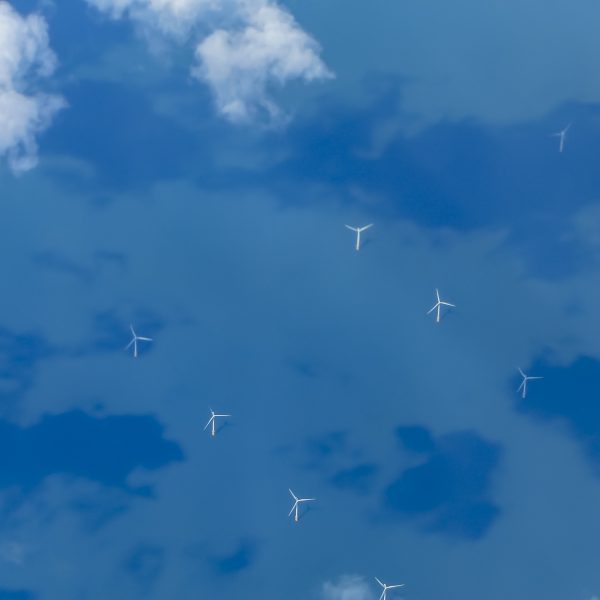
{"x":358,"y":231}
{"x":562,"y":134}
{"x":212,"y":421}
{"x":134,"y":341}
{"x":386,"y":588}
{"x":523,"y":387}
{"x":296,"y":507}
{"x":438,"y":306}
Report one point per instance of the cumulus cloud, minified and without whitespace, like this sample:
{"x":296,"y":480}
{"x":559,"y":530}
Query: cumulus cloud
{"x":347,"y":587}
{"x":239,"y":65}
{"x":25,"y":58}
{"x":242,"y":47}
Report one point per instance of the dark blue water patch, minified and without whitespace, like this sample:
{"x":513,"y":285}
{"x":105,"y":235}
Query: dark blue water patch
{"x":115,"y":129}
{"x":358,"y":479}
{"x":464,"y":174}
{"x":450,"y":492}
{"x":101,"y":449}
{"x":466,"y":520}
{"x":440,"y":176}
{"x":415,"y":438}
{"x":145,"y":563}
{"x":20,"y":354}
{"x":16,"y":595}
{"x":568,"y":394}
{"x":78,"y":33}
{"x":243,"y":557}
{"x":320,"y":449}
{"x":328,"y":444}
{"x":304,"y":368}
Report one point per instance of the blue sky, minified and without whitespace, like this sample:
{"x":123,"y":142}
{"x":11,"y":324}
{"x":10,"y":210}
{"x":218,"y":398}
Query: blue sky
{"x":157,"y":169}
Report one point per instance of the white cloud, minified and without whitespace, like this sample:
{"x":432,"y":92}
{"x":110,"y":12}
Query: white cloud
{"x":347,"y":587}
{"x":25,"y":57}
{"x":242,"y":47}
{"x":239,"y":65}
{"x":174,"y":17}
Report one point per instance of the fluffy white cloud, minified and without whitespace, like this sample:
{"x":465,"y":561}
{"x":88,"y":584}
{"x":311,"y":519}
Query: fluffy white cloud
{"x":242,"y":47}
{"x":25,"y":57}
{"x":347,"y":587}
{"x":175,"y":17}
{"x":239,"y":65}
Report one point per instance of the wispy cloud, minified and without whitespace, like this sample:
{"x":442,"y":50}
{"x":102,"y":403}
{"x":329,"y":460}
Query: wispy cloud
{"x":243,"y":48}
{"x":25,"y":59}
{"x":347,"y":587}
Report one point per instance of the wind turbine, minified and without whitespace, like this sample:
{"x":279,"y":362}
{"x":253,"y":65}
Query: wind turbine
{"x":213,"y":419}
{"x":439,"y":305}
{"x":523,"y":385}
{"x":386,"y":588}
{"x":297,"y":502}
{"x":358,"y":231}
{"x":562,"y":134}
{"x":136,"y":338}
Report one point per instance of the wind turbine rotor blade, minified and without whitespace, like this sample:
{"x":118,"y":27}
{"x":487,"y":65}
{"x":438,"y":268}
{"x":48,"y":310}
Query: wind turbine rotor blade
{"x":293,"y":495}
{"x":209,"y":422}
{"x":366,"y":227}
{"x":432,"y":309}
{"x":391,"y":587}
{"x":132,"y":329}
{"x":293,"y":508}
{"x":382,"y":597}
{"x":379,"y":582}
{"x":350,"y":227}
{"x":146,"y":339}
{"x":129,"y":345}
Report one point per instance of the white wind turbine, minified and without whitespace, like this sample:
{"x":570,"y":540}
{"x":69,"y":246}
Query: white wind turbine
{"x":562,"y":134}
{"x":386,"y":588}
{"x":523,"y":385}
{"x":136,"y":338}
{"x":438,"y":305}
{"x":297,"y":502}
{"x":213,"y":419}
{"x":358,"y":231}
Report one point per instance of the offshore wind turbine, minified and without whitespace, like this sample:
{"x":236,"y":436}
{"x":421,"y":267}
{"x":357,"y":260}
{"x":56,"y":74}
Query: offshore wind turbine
{"x":438,"y":305}
{"x":386,"y":588}
{"x":358,"y":231}
{"x":213,"y":418}
{"x":523,"y":385}
{"x":136,"y":338}
{"x":562,"y":134}
{"x":297,"y":502}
